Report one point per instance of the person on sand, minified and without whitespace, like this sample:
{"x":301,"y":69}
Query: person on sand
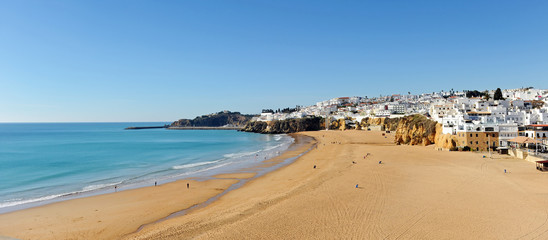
{"x":116,"y":188}
{"x":380,"y":162}
{"x":353,"y":162}
{"x":356,"y":185}
{"x":155,"y":183}
{"x":187,"y":185}
{"x":314,"y":166}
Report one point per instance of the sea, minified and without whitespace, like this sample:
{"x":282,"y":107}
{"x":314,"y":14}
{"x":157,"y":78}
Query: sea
{"x":47,"y":162}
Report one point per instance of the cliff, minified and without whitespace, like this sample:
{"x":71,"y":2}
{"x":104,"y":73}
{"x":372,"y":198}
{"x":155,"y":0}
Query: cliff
{"x":387,"y":124}
{"x":285,"y":126}
{"x":419,"y":130}
{"x":416,"y":130}
{"x":225,"y":118}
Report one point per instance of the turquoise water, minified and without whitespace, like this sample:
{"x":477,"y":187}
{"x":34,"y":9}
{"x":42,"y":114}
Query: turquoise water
{"x":46,"y":161}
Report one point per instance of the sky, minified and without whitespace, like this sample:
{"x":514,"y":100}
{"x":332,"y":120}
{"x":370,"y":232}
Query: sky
{"x":133,"y":61}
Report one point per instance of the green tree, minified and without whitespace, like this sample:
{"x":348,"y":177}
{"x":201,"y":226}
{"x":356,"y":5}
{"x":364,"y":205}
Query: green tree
{"x":498,"y":95}
{"x":486,"y":95}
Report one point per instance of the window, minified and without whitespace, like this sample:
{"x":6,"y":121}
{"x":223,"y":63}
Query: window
{"x":476,"y":142}
{"x":470,"y":135}
{"x":487,"y":135}
{"x":476,"y":135}
{"x":470,"y":142}
{"x":493,"y":135}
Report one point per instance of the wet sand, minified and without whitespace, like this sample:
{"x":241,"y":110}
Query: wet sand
{"x":416,"y":193}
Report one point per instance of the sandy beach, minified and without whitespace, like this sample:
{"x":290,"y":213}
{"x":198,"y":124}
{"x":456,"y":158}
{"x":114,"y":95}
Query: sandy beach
{"x":416,"y":193}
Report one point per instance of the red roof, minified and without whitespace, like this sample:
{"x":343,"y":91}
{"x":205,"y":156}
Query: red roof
{"x":538,"y":125}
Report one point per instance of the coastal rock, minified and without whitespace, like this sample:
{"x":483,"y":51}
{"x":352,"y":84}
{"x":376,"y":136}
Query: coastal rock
{"x":414,"y":130}
{"x":285,"y":126}
{"x":446,"y":141}
{"x":225,"y":118}
{"x":386,"y":124}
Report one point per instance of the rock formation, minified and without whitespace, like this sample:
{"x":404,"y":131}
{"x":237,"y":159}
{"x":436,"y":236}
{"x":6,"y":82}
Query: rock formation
{"x":387,"y":124}
{"x":416,"y":130}
{"x":225,"y":118}
{"x":285,"y":126}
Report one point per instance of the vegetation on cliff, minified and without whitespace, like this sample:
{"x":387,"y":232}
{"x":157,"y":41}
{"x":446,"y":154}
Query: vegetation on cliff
{"x":285,"y":126}
{"x":220,"y":119}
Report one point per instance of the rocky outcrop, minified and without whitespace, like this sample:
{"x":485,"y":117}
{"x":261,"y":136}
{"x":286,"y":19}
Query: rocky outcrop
{"x":416,"y":130}
{"x":285,"y":126}
{"x":446,"y":141}
{"x":387,"y":124}
{"x":339,"y":124}
{"x":225,"y":118}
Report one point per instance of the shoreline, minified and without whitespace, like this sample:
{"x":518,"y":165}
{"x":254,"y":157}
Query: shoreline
{"x":356,"y":184}
{"x":199,"y":174}
{"x":210,"y":187}
{"x":416,"y":192}
{"x":244,"y":176}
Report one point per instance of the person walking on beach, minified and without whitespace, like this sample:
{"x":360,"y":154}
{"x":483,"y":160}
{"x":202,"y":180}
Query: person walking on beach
{"x":380,"y":162}
{"x":115,"y":188}
{"x":356,"y":185}
{"x":187,"y":185}
{"x":155,"y":183}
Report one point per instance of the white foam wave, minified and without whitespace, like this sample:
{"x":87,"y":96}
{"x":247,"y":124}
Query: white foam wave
{"x":239,"y":155}
{"x":19,"y":201}
{"x":98,"y":186}
{"x":15,"y":202}
{"x":205,"y":169}
{"x":193,"y":164}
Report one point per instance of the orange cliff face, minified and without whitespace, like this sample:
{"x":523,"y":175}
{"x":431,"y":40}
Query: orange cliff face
{"x":416,"y":130}
{"x":419,"y":130}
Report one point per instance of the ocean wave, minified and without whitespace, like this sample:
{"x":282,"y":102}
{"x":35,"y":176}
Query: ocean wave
{"x":98,"y":186}
{"x":205,"y":169}
{"x":193,"y":164}
{"x":239,"y":155}
{"x":15,"y":202}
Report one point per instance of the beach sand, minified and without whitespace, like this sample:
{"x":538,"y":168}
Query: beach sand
{"x":416,"y":193}
{"x":114,"y":215}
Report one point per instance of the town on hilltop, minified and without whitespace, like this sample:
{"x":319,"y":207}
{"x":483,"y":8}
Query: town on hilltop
{"x":479,"y":120}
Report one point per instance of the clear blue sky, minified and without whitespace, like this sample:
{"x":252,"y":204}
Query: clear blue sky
{"x":165,"y":60}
